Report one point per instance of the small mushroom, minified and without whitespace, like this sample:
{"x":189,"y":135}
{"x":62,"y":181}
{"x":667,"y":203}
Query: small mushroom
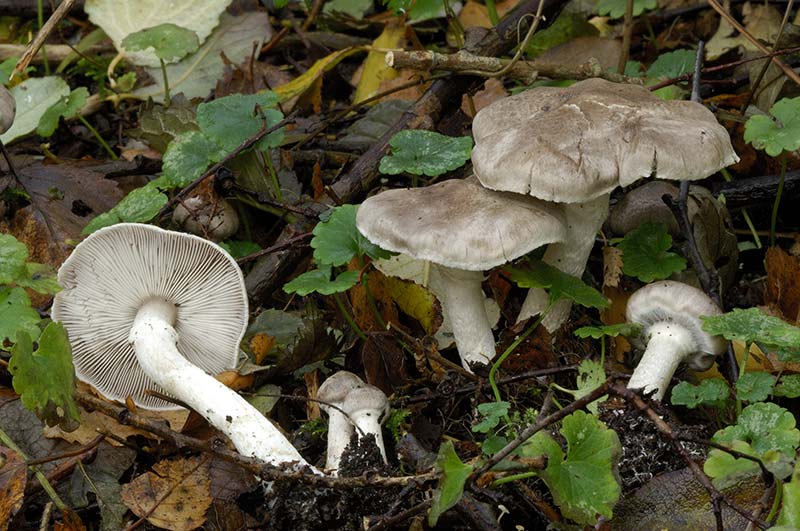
{"x":367,"y":408}
{"x":463,"y":229}
{"x":669,"y":313}
{"x":575,"y":145}
{"x":331,"y":395}
{"x":8,"y":109}
{"x":147,"y":308}
{"x":211,"y":217}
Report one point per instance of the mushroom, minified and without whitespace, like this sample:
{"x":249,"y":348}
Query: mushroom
{"x":215,"y":218}
{"x":367,"y":407}
{"x":331,"y":395}
{"x":669,"y":313}
{"x":463,"y":229}
{"x":8,"y":109}
{"x":147,"y":308}
{"x":574,"y":145}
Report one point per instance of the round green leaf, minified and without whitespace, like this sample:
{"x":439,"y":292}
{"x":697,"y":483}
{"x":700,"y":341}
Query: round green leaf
{"x":170,"y":42}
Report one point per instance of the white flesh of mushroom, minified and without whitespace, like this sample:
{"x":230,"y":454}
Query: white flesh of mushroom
{"x":584,"y":220}
{"x":334,"y":392}
{"x":668,"y":345}
{"x":154,"y":339}
{"x":367,"y":407}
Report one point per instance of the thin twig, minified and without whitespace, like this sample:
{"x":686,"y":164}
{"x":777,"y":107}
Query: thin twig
{"x":37,"y":42}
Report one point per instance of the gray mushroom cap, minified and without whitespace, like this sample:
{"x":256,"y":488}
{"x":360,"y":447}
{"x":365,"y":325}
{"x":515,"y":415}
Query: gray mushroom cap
{"x":576,"y":143}
{"x":114,"y":271}
{"x":335,"y":389}
{"x":670,"y":301}
{"x":459,"y":224}
{"x":8,"y":109}
{"x":367,"y":400}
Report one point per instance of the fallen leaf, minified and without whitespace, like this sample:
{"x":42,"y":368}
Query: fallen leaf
{"x":762,"y":21}
{"x":260,"y":346}
{"x":302,"y":83}
{"x":493,"y":90}
{"x":375,"y":70}
{"x":33,"y":97}
{"x":175,"y":495}
{"x":13,"y":478}
{"x":475,"y":14}
{"x":783,"y":283}
{"x":363,"y":311}
{"x":612,"y":266}
{"x":384,"y":363}
{"x":578,"y":52}
{"x":70,"y":521}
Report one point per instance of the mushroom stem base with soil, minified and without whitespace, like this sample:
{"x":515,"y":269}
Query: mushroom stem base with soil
{"x":463,"y":296}
{"x":339,"y":432}
{"x":584,"y":220}
{"x":668,"y":345}
{"x":155,"y":341}
{"x":366,"y":424}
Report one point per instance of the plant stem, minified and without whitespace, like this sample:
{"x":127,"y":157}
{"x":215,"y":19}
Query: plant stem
{"x":510,"y":349}
{"x":371,"y":300}
{"x":166,"y":82}
{"x":48,"y":488}
{"x":728,"y":178}
{"x":98,"y":137}
{"x":273,"y":175}
{"x":492,"y":10}
{"x":774,"y":219}
{"x":348,"y":317}
{"x":513,"y":477}
{"x":40,"y":23}
{"x":776,"y":501}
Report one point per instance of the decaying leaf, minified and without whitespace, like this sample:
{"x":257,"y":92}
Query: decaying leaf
{"x":175,"y":495}
{"x":375,"y":70}
{"x":762,"y":21}
{"x":783,"y":283}
{"x":13,"y":478}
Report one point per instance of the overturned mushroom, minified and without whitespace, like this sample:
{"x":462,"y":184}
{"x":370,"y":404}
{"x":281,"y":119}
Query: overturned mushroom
{"x":146,"y":309}
{"x":462,"y":229}
{"x":574,"y":145}
{"x":669,"y":313}
{"x":332,"y":394}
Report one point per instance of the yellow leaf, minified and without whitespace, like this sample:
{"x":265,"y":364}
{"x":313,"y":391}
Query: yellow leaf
{"x":375,"y":70}
{"x":301,"y":84}
{"x":415,"y":301}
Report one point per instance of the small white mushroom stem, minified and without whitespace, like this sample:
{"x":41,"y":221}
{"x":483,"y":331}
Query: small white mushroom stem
{"x":584,"y":220}
{"x":668,"y":344}
{"x":461,"y":293}
{"x":155,"y":341}
{"x":339,"y":432}
{"x":368,"y":421}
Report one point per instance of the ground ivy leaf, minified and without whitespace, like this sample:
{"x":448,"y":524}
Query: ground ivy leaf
{"x":788,"y":386}
{"x":616,"y":8}
{"x":13,"y":254}
{"x":16,"y":314}
{"x":139,"y":206}
{"x":170,"y":42}
{"x":492,"y":413}
{"x":66,"y":107}
{"x":319,"y":280}
{"x":583,"y":484}
{"x":40,"y":278}
{"x":753,"y":325}
{"x":187,"y":157}
{"x":790,"y":504}
{"x":614,"y":330}
{"x":45,"y":378}
{"x":712,"y":391}
{"x":336,"y":241}
{"x":451,"y":484}
{"x":421,"y":152}
{"x":240,"y":249}
{"x":672,"y":64}
{"x":231,"y":120}
{"x":754,"y":386}
{"x":645,"y":253}
{"x":558,"y":284}
{"x":777,"y":133}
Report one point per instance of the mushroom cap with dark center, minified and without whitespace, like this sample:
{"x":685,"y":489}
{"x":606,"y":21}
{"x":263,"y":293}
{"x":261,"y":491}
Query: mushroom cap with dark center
{"x":114,"y":271}
{"x":675,"y":302}
{"x":576,"y":143}
{"x":459,"y":224}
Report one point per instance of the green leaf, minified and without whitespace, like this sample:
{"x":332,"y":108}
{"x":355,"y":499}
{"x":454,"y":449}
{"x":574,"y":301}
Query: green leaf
{"x":187,"y":157}
{"x":33,"y":97}
{"x":354,"y":8}
{"x":319,"y":280}
{"x":672,"y":64}
{"x":777,"y":133}
{"x":451,"y":484}
{"x":645,"y":253}
{"x":13,"y":254}
{"x":66,"y":107}
{"x":616,"y":8}
{"x":788,"y":386}
{"x":170,"y":42}
{"x":425,"y":153}
{"x":492,"y":413}
{"x":790,"y":504}
{"x":614,"y":330}
{"x":493,"y":443}
{"x":754,"y":386}
{"x":753,"y":325}
{"x":558,"y":284}
{"x":591,"y":375}
{"x":231,"y":120}
{"x":239,"y":249}
{"x":139,"y":206}
{"x":40,"y":278}
{"x":713,"y":391}
{"x":566,"y":27}
{"x":764,"y":430}
{"x":16,"y":314}
{"x":45,"y":379}
{"x":336,"y":241}
{"x":582,"y":483}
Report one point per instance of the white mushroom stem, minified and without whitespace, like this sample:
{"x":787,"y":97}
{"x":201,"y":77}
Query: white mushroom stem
{"x":461,"y":293}
{"x":584,"y":220}
{"x":669,"y":343}
{"x":155,"y":341}
{"x":369,"y":421}
{"x":339,"y":432}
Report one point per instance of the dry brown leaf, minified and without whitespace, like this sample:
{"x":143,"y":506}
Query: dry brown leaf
{"x":762,"y":21}
{"x":492,"y":91}
{"x":374,"y":70}
{"x":578,"y":51}
{"x":362,"y":309}
{"x":612,"y":266}
{"x":70,"y":521}
{"x":403,"y":76}
{"x":311,"y":380}
{"x":783,"y":283}
{"x":175,"y":495}
{"x":261,"y":345}
{"x":474,"y":14}
{"x":236,"y":381}
{"x":13,"y":478}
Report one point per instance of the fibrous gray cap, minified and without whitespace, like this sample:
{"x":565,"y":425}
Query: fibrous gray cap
{"x":573,"y":144}
{"x":112,"y":272}
{"x":667,"y":300}
{"x":459,"y":224}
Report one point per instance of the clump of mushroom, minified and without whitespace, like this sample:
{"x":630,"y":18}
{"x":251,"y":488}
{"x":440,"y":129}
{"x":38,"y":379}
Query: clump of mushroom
{"x":147,"y":308}
{"x":574,"y":145}
{"x":463,"y":229}
{"x":669,"y":313}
